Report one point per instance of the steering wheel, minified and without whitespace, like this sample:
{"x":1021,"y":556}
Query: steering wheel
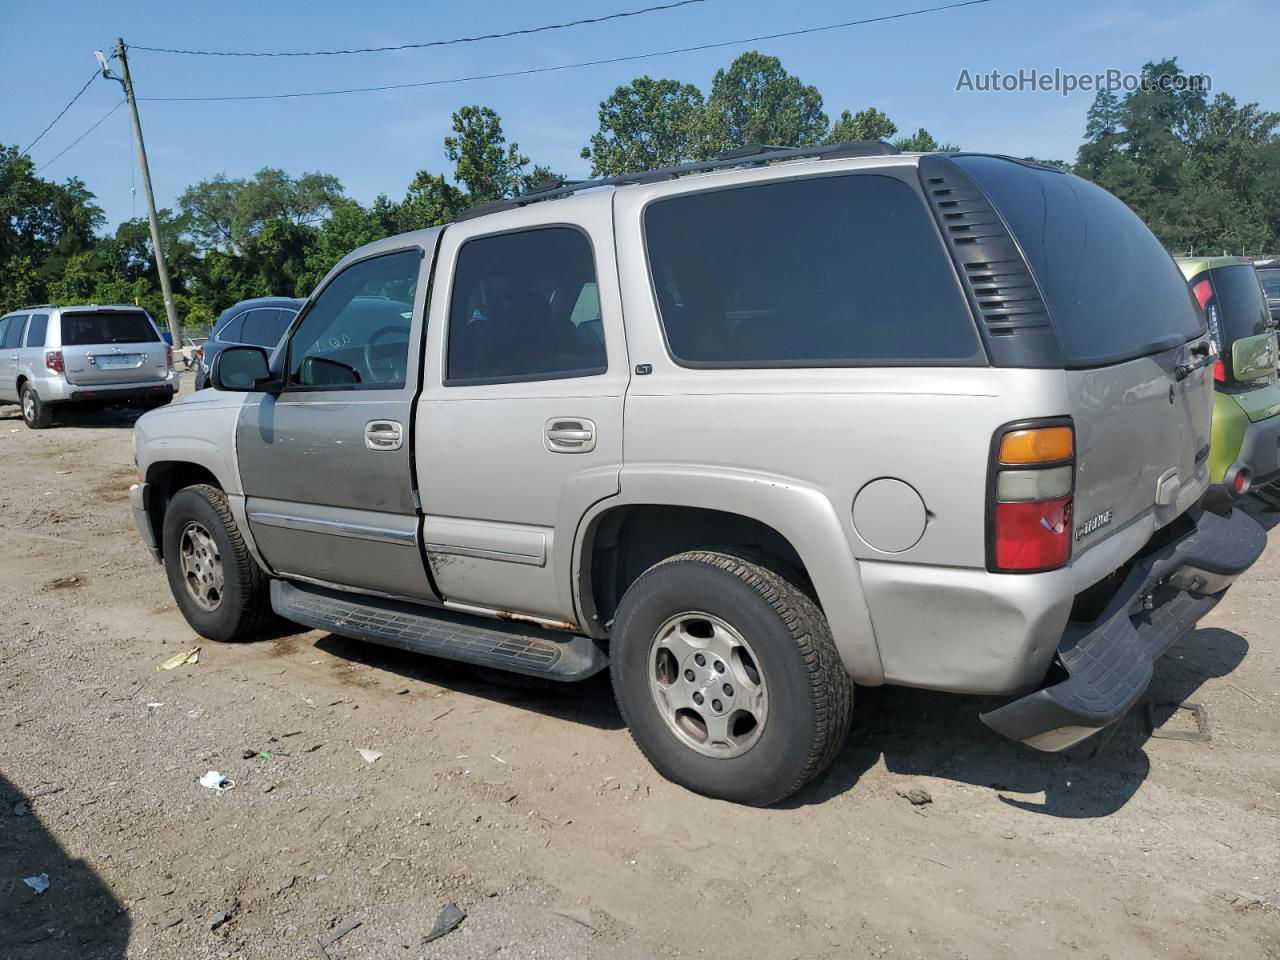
{"x":374,"y":337}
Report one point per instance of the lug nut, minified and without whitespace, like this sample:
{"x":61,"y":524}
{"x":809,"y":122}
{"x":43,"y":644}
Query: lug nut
{"x":699,"y":659}
{"x":717,"y":706}
{"x":719,"y":666}
{"x":728,"y":689}
{"x":697,"y":698}
{"x":688,"y":675}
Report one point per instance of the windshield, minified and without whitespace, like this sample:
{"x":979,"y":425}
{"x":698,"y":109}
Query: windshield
{"x":85,"y":329}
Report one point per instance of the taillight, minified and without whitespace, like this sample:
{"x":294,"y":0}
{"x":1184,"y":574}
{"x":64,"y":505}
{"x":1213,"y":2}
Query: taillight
{"x":1219,"y":370}
{"x":168,"y":356}
{"x":53,"y":361}
{"x":1031,"y":491}
{"x":1241,"y":482}
{"x":1203,"y":291}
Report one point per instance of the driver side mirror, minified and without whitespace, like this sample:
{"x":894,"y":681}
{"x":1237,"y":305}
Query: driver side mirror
{"x":243,"y":369}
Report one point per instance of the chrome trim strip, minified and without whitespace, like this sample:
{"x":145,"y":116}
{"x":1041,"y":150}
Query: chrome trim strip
{"x":479,"y":553}
{"x":403,"y":538}
{"x":347,"y":588}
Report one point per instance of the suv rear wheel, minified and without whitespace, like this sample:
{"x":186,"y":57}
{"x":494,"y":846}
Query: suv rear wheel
{"x":727,"y":676}
{"x":217,"y":584}
{"x":36,"y":414}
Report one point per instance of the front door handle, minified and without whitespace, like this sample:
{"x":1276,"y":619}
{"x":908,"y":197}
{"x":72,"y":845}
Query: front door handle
{"x":570,"y":435}
{"x":383,"y":435}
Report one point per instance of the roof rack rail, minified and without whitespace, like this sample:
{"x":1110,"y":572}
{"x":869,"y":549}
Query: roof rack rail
{"x":747,"y":155}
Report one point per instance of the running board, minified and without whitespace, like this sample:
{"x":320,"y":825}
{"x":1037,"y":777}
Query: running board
{"x":517,"y":648}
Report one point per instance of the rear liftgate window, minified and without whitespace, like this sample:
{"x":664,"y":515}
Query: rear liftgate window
{"x":1112,"y":290}
{"x":88,"y":329}
{"x":823,"y":271}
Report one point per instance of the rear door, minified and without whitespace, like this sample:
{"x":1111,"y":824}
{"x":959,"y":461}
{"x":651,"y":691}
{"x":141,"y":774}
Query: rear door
{"x":326,"y":465}
{"x":519,"y":430}
{"x":1124,"y":319}
{"x":112,"y":346}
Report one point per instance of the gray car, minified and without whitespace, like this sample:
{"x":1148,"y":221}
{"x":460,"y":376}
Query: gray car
{"x":57,"y":357}
{"x":744,"y":433}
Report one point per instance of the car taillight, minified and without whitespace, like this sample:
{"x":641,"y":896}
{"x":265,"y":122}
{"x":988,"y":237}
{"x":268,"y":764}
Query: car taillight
{"x":168,"y":356}
{"x":1241,"y":482}
{"x":53,"y":361}
{"x":1219,"y":370}
{"x":1203,"y":291}
{"x":198,"y":356}
{"x":1031,"y":492}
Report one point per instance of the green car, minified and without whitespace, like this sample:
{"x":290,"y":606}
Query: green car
{"x":1245,"y":442}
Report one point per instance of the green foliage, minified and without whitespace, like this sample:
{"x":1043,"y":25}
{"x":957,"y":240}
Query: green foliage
{"x":488,"y":166}
{"x":922,"y":141}
{"x":646,"y":124}
{"x":868,"y":124}
{"x":757,"y":101}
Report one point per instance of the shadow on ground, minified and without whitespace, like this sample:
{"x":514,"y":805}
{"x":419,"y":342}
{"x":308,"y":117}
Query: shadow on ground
{"x":922,"y":733}
{"x":122,"y":418}
{"x":589,"y":702}
{"x":76,"y":918}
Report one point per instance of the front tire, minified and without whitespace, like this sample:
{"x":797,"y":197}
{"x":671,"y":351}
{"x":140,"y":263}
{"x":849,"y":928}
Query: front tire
{"x":728,"y":678}
{"x":36,"y":414}
{"x":217,"y":584}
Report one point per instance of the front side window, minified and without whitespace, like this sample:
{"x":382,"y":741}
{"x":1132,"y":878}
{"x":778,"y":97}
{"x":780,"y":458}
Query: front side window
{"x":525,"y":307}
{"x":822,"y":271}
{"x":36,"y":329}
{"x":356,"y":333}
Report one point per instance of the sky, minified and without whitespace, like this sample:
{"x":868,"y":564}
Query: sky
{"x":375,"y":142}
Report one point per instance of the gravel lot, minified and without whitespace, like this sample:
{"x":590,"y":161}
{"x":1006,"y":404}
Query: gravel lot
{"x":529,"y":807}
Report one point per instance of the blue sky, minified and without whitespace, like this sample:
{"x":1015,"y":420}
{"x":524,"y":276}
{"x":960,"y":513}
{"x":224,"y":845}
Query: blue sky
{"x":375,"y":142}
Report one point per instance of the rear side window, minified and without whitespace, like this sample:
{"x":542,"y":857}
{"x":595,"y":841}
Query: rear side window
{"x":232,"y":330}
{"x":36,"y":329}
{"x":823,"y":271}
{"x":87,"y":329}
{"x":1112,"y":290}
{"x":261,"y":327}
{"x":525,"y":307}
{"x":1270,"y":283}
{"x":13,"y":332}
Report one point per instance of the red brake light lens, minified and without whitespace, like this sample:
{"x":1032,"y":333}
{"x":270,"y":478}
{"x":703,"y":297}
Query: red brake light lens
{"x":168,"y":356}
{"x":1219,"y":370}
{"x":1033,"y":536}
{"x":1203,"y":292}
{"x":53,"y":361}
{"x":1241,"y":482}
{"x":1031,"y":496}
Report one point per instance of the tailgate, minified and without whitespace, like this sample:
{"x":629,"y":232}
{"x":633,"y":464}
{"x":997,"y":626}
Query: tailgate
{"x":1142,"y":442}
{"x":112,"y":347}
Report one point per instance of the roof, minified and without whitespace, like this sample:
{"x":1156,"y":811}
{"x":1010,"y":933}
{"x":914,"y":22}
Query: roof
{"x":1190,"y":266}
{"x":266,"y":302}
{"x":80,"y":306}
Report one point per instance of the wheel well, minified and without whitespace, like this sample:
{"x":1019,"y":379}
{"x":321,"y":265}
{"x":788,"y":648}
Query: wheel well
{"x":627,"y":541}
{"x":21,"y":381}
{"x":166,"y":479}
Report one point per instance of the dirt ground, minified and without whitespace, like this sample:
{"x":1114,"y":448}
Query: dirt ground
{"x":530,"y":808}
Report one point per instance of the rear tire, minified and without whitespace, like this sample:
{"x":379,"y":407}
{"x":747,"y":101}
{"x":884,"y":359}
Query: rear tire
{"x":36,"y":414}
{"x":728,"y":678}
{"x":216,"y":582}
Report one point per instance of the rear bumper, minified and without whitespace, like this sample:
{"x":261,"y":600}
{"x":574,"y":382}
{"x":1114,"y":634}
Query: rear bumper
{"x":58,"y":390}
{"x":1260,"y":451}
{"x":139,"y":503}
{"x":1109,"y":662}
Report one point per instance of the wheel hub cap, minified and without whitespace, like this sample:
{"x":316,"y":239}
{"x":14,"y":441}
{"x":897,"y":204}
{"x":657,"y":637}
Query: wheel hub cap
{"x":707,"y":685}
{"x":201,"y":566}
{"x":28,"y":405}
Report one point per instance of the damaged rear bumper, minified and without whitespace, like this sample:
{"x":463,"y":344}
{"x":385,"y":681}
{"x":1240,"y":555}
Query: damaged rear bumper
{"x":1109,"y":662}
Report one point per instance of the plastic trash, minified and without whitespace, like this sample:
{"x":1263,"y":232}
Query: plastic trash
{"x":216,"y":781}
{"x":39,"y":884}
{"x":370,"y":756}
{"x":180,"y":659}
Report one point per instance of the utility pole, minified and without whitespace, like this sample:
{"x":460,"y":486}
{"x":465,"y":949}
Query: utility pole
{"x":161,"y":267}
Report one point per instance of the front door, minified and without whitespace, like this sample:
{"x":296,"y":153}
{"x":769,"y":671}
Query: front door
{"x":519,"y":429}
{"x":325,"y":464}
{"x":10,"y":342}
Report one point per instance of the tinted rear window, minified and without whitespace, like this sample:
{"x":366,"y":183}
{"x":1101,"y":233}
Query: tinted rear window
{"x":1242,"y":310}
{"x":1270,"y":283}
{"x":36,"y":329}
{"x":823,"y":271}
{"x":1112,"y":290}
{"x":86,"y":329}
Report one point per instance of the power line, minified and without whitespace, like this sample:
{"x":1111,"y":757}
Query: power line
{"x":101,"y":120}
{"x":571,"y":66}
{"x":424,"y":44}
{"x":62,"y":111}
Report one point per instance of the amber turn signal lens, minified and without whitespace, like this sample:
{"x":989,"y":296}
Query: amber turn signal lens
{"x":1042,"y":445}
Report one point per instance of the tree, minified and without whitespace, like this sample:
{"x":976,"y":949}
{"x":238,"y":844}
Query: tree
{"x":226,"y":213}
{"x":430,"y":201}
{"x":757,"y":101}
{"x":869,"y":124}
{"x":647,"y":124}
{"x":922,"y":141}
{"x":488,"y":166}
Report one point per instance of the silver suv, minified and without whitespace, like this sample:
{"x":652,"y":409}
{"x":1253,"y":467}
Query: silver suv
{"x":744,"y":433}
{"x":53,"y":357}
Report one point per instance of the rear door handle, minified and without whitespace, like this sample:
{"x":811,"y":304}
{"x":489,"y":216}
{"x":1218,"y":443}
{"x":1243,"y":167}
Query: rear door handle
{"x":383,"y":435}
{"x":570,"y":435}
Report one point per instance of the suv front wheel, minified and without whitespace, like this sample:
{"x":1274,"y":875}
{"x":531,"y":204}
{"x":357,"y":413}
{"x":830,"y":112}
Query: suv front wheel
{"x":727,"y":676}
{"x":217,"y":584}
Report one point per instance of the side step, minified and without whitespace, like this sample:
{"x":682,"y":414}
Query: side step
{"x":517,"y":648}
